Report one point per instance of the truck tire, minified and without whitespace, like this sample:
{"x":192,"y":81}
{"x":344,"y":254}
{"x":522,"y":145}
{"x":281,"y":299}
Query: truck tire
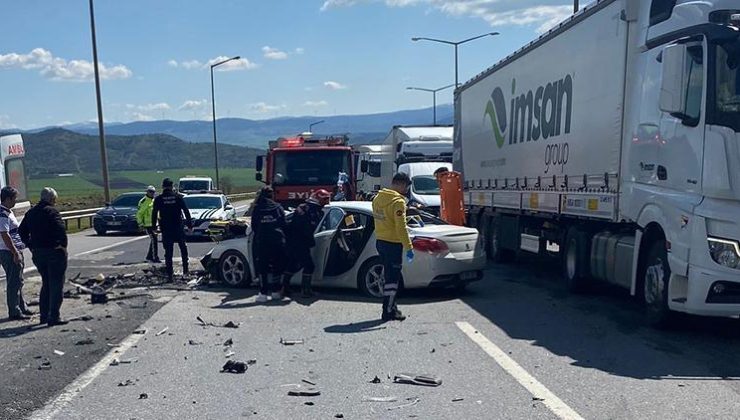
{"x":493,"y":244}
{"x":655,"y":278}
{"x":576,"y":256}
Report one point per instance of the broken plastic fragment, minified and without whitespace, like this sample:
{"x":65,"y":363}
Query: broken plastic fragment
{"x":309,"y":392}
{"x":59,"y":352}
{"x":162,"y":332}
{"x":413,"y":379}
{"x":290,"y":342}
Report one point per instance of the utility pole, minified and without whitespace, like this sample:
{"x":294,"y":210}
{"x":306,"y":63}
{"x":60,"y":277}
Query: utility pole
{"x":213,"y":109}
{"x":575,"y":6}
{"x":101,"y":123}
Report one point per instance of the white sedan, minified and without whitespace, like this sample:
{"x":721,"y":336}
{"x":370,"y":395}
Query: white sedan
{"x":345,"y":254}
{"x":205,"y":208}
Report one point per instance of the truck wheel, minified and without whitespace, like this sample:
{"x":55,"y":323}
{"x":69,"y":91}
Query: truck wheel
{"x":493,"y":244}
{"x":234,"y":270}
{"x":656,"y":276}
{"x":575,"y":260}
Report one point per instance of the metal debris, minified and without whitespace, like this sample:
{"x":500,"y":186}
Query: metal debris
{"x":162,"y":332}
{"x":414,"y":379}
{"x":308,"y":382}
{"x":234,"y":367}
{"x":457,"y":399}
{"x":309,"y":392}
{"x":291,"y":342}
{"x":413,"y":402}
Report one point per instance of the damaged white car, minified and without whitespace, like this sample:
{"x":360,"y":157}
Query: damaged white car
{"x":345,"y":255}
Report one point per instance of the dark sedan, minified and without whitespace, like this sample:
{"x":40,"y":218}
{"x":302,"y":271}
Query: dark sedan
{"x":119,"y":216}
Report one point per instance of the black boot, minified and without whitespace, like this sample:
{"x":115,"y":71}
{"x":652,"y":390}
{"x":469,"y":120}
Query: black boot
{"x":286,"y":285}
{"x":306,"y":285}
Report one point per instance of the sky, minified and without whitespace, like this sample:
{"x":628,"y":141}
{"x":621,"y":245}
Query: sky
{"x":298,"y":57}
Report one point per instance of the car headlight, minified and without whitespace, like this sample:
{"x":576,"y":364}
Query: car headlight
{"x":724,"y":252}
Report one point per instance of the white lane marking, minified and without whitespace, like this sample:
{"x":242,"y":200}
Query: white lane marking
{"x":551,"y":401}
{"x":53,"y":408}
{"x":107,"y":247}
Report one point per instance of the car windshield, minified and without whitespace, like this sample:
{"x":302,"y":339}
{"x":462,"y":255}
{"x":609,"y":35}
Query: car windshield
{"x":316,"y":167}
{"x":202,"y":202}
{"x":425,"y":185}
{"x":129,"y":200}
{"x":727,"y":76}
{"x":193,"y":185}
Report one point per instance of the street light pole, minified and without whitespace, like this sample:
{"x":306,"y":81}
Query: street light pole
{"x":434,"y":97}
{"x":101,"y":128}
{"x":213,"y":116}
{"x":575,"y":6}
{"x":310,"y":126}
{"x":456,"y":44}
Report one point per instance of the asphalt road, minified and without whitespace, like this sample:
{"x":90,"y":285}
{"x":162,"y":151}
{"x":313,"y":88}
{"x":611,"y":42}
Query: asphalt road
{"x":515,"y":345}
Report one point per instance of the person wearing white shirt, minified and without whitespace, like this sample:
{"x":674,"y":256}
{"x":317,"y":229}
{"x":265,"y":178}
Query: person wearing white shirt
{"x":11,"y":255}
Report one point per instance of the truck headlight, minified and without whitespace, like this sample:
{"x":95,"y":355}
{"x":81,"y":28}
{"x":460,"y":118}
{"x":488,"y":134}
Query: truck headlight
{"x":724,"y":252}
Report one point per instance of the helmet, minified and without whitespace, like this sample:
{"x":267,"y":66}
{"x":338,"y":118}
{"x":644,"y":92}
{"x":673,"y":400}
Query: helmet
{"x":151,"y":189}
{"x":322,"y":197}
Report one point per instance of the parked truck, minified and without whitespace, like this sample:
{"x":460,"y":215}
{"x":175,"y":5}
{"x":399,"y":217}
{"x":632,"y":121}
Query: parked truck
{"x":368,"y":160}
{"x":613,"y":141}
{"x":296,"y":166}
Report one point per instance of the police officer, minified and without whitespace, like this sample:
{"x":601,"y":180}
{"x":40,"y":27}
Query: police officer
{"x":392,"y":239}
{"x":300,"y":240}
{"x":144,"y":218}
{"x":268,"y":244}
{"x":169,"y":209}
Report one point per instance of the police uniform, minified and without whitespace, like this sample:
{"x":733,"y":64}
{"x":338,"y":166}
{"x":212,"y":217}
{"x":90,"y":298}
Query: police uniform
{"x":169,"y":209}
{"x":268,"y":246}
{"x":300,"y":231}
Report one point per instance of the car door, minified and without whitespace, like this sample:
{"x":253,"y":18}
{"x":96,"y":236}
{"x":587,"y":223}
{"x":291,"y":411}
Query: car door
{"x":324,"y":236}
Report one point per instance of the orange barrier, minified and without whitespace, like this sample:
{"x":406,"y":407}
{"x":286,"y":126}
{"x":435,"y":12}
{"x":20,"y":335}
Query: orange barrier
{"x":452,"y":208}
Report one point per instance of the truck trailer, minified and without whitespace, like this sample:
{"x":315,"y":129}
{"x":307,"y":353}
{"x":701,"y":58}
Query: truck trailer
{"x":613,"y":141}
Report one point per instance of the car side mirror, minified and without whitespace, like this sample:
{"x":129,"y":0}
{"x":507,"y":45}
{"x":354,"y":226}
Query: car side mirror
{"x":364,"y":166}
{"x":259,"y":163}
{"x":258,"y":176}
{"x":675,"y":80}
{"x":228,"y":207}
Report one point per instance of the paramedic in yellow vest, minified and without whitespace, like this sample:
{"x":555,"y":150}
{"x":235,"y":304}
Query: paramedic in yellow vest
{"x":144,"y":218}
{"x":392,"y":239}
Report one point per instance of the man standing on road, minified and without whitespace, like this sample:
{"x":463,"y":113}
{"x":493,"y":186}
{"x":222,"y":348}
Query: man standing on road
{"x":170,"y":208}
{"x":300,"y":240}
{"x":392,"y":238}
{"x":42,"y":230}
{"x":268,"y":243}
{"x":144,"y":218}
{"x":11,"y":255}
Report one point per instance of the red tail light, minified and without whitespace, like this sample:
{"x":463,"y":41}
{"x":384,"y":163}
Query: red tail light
{"x":429,"y":245}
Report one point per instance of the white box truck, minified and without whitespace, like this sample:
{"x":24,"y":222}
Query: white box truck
{"x":615,"y":139}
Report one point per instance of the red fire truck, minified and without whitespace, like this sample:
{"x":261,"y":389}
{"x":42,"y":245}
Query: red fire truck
{"x":296,"y":166}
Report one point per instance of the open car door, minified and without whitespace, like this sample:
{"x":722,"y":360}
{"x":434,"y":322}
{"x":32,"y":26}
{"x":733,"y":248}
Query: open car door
{"x":324,"y":237}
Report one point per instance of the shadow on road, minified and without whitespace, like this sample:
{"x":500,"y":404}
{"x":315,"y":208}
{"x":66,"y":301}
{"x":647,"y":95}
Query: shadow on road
{"x":603,"y":330}
{"x":357,"y":327}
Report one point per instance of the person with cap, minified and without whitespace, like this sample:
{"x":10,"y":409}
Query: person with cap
{"x":168,"y":210}
{"x":268,"y":243}
{"x":392,"y":239}
{"x":144,"y":219}
{"x":42,"y":230}
{"x":300,"y":240}
{"x":11,"y":255}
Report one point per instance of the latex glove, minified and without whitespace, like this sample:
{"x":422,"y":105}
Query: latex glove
{"x":410,"y":256}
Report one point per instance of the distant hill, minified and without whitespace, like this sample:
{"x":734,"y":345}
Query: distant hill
{"x":362,"y":129}
{"x":57,"y":150}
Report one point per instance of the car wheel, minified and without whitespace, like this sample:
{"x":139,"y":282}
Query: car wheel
{"x":233,"y":269}
{"x":656,"y":276}
{"x":100,"y":232}
{"x":371,"y":278}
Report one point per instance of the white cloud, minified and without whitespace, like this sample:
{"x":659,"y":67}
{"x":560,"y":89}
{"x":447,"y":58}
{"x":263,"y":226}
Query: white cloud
{"x":193,"y":105}
{"x":138,"y":116}
{"x":263,"y":108}
{"x":173,"y":63}
{"x":240,"y":64}
{"x":192,"y":64}
{"x":544,"y":13}
{"x":315,"y":103}
{"x":334,"y":85}
{"x":60,"y":69}
{"x":161,"y":106}
{"x":273,"y":53}
{"x":300,"y":50}
{"x":5,"y":123}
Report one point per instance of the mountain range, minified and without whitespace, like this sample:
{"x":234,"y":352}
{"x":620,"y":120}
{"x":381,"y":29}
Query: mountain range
{"x":362,"y":129}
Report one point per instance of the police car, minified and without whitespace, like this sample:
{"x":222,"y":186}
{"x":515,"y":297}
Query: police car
{"x":205,"y":208}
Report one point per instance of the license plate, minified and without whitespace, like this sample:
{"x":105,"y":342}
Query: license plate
{"x":468,"y":275}
{"x":114,"y":223}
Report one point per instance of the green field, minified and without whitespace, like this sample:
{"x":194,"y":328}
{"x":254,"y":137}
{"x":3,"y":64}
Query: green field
{"x":85,"y":190}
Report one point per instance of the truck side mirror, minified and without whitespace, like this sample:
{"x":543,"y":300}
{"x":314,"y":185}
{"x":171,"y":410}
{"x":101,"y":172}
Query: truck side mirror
{"x":364,"y":166}
{"x":259,"y":163}
{"x":675,"y":80}
{"x":258,"y":176}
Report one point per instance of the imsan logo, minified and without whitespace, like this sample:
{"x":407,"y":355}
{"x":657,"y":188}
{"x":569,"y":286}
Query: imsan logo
{"x":542,"y":113}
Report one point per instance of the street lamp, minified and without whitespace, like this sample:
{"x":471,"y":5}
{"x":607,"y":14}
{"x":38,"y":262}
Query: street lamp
{"x":310,"y":126}
{"x":575,"y":6}
{"x":101,"y":128}
{"x":213,"y":105}
{"x":434,"y":97}
{"x":455,"y":44}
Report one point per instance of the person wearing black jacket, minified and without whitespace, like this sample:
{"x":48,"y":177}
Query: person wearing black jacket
{"x":300,"y":231}
{"x":168,"y":211}
{"x":42,"y":230}
{"x":268,"y":245}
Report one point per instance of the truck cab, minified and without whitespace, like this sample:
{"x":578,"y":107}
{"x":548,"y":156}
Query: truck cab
{"x":195,"y":184}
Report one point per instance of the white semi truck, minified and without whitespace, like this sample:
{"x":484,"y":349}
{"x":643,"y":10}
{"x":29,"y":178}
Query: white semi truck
{"x":614,"y":140}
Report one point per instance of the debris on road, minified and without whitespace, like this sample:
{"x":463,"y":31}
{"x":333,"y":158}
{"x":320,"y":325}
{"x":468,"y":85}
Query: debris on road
{"x":380,"y":399}
{"x":203,"y":323}
{"x":457,"y":399}
{"x":414,"y":401}
{"x":127,"y":383}
{"x":291,"y":342}
{"x":309,"y":403}
{"x":116,"y":362}
{"x":229,"y":354}
{"x":85,"y":342}
{"x":194,"y":343}
{"x":375,"y":380}
{"x":229,"y":343}
{"x":412,"y":379}
{"x":231,"y":324}
{"x":140,"y":331}
{"x":234,"y":367}
{"x":45,"y":365}
{"x":308,"y":382}
{"x":59,"y":352}
{"x":309,"y":392}
{"x":339,"y":416}
{"x":537,"y":399}
{"x":162,"y":332}
{"x":143,"y":396}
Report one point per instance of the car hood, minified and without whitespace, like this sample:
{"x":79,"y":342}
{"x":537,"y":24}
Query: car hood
{"x":121,"y":211}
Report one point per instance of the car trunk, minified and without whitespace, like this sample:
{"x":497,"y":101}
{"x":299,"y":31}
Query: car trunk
{"x":458,"y":239}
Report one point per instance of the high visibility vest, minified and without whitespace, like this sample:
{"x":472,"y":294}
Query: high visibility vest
{"x":452,"y":208}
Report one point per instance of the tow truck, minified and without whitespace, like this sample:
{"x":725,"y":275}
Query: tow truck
{"x":296,"y":166}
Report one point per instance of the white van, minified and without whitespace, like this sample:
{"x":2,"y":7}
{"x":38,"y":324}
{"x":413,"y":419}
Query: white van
{"x":424,"y":187}
{"x":195,"y":184}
